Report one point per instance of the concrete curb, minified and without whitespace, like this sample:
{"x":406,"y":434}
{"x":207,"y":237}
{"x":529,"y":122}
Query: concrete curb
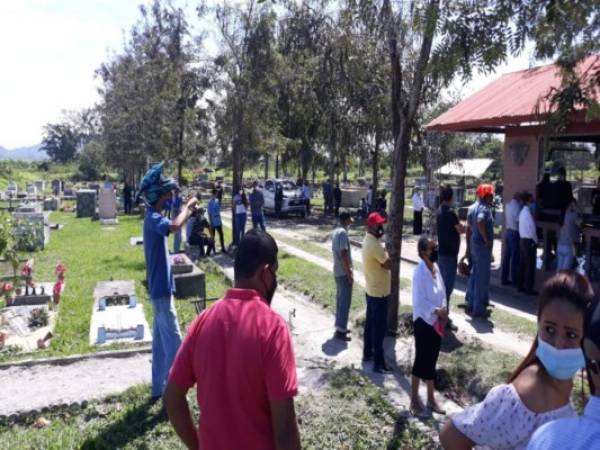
{"x":66,"y":360}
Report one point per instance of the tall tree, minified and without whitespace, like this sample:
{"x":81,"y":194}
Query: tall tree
{"x":467,"y":36}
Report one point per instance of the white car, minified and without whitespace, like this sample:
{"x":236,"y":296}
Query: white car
{"x":292,"y":202}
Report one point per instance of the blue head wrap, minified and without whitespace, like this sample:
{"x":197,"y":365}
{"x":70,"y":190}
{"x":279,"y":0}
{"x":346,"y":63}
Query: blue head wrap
{"x":155,"y":184}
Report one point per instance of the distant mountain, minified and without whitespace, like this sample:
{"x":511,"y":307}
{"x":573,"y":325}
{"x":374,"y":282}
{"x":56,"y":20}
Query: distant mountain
{"x":31,"y":153}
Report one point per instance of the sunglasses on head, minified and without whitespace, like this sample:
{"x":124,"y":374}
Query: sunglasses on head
{"x":594,"y":366}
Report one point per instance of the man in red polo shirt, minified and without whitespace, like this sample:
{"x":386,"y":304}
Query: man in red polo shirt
{"x":239,"y":354}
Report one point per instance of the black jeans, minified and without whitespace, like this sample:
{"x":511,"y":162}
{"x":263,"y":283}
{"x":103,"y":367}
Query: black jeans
{"x":375,"y":326}
{"x":418,"y":222}
{"x":219,"y":229}
{"x":527,"y":262}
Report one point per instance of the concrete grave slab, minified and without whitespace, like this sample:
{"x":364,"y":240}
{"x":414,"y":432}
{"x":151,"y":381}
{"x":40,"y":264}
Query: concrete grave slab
{"x":14,"y":321}
{"x":39,"y":298}
{"x":191,"y":284}
{"x":114,"y":320}
{"x":109,"y":222}
{"x":180,"y":263}
{"x":136,"y":240}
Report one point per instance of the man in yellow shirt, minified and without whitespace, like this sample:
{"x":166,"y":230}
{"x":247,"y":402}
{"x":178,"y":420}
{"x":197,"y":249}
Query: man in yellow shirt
{"x":377,"y":265}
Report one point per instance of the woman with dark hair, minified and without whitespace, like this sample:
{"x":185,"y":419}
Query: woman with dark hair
{"x":539,"y":389}
{"x":430,"y":315}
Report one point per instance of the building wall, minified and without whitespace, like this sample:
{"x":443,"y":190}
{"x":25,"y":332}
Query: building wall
{"x":524,"y":177}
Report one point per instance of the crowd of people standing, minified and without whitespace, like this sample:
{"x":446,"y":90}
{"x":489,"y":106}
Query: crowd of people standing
{"x":239,"y":352}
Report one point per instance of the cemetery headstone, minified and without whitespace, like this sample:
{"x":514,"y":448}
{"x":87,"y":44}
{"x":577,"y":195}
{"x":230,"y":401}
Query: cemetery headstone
{"x":51,"y":204}
{"x":107,"y":206}
{"x":40,"y":185}
{"x":57,"y":186}
{"x":34,"y":227}
{"x":86,"y":203}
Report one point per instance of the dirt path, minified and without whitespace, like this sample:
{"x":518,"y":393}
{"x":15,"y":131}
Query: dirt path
{"x":42,"y":385}
{"x":489,"y":335}
{"x":316,"y":349}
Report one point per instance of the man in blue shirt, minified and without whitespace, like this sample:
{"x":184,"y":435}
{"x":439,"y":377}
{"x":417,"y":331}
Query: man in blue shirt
{"x":174,"y":209}
{"x":214,"y":217}
{"x":480,"y":236}
{"x":578,"y":433}
{"x":257,"y":203}
{"x":156,"y":190}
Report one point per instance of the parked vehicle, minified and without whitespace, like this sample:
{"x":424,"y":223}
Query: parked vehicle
{"x":292,"y":202}
{"x":12,"y":189}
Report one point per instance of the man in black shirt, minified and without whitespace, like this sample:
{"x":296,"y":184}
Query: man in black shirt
{"x":449,"y":230}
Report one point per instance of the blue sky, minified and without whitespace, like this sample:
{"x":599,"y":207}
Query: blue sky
{"x":51,"y":48}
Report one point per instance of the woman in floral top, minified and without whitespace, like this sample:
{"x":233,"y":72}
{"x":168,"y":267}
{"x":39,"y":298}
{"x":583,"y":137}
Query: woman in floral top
{"x":540,"y":388}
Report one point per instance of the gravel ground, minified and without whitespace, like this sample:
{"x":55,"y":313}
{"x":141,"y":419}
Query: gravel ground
{"x":38,"y":386}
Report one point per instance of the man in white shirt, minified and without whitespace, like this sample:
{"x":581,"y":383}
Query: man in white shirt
{"x":510,"y":253}
{"x":528,"y":247}
{"x":418,"y":206}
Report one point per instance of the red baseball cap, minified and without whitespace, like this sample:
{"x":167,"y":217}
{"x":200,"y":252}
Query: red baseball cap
{"x":375,"y":219}
{"x":483,"y":190}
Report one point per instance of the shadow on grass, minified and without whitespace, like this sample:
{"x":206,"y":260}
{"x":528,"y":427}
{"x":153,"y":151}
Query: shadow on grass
{"x":134,"y":424}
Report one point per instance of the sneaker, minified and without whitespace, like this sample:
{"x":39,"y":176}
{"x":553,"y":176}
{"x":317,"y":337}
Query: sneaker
{"x":342,"y":336}
{"x":385,"y":369}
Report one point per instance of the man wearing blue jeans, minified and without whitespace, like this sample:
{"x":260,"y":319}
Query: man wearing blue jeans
{"x":257,"y":203}
{"x":156,"y":189}
{"x":511,"y":250}
{"x":342,"y":271}
{"x":449,"y":230}
{"x":481,"y":234}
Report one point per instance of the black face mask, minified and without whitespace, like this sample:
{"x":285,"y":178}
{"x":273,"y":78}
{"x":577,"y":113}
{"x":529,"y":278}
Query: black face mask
{"x":379,"y":232}
{"x":433,"y":256}
{"x":270,"y":291}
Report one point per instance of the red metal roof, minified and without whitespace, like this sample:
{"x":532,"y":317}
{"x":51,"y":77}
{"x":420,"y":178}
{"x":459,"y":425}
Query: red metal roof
{"x":510,"y":100}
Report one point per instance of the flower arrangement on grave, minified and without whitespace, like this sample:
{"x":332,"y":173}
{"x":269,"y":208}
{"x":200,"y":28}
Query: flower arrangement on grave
{"x":178,"y":259}
{"x":27,"y":273}
{"x":60,"y":270}
{"x":56,"y":291}
{"x":7,"y":291}
{"x":38,"y":318}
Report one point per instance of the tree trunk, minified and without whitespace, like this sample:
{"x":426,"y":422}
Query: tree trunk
{"x":179,"y":169}
{"x":277,"y":165}
{"x":404,"y":109}
{"x":375,"y":181}
{"x":266,"y":166}
{"x":396,"y":223}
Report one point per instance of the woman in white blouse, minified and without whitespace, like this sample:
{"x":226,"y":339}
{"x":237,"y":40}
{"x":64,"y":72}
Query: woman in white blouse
{"x":430,"y":315}
{"x":540,"y":388}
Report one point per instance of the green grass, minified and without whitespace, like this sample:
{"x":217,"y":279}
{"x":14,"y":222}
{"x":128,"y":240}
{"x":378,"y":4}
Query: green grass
{"x":93,"y":253}
{"x":127,"y":422}
{"x":349,"y":413}
{"x":314,"y":282}
{"x":504,"y":320}
{"x":353,"y":413}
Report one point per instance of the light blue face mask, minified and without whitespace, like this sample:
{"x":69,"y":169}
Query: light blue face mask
{"x":560,"y":364}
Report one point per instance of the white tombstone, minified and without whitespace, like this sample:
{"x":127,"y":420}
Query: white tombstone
{"x":107,"y":205}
